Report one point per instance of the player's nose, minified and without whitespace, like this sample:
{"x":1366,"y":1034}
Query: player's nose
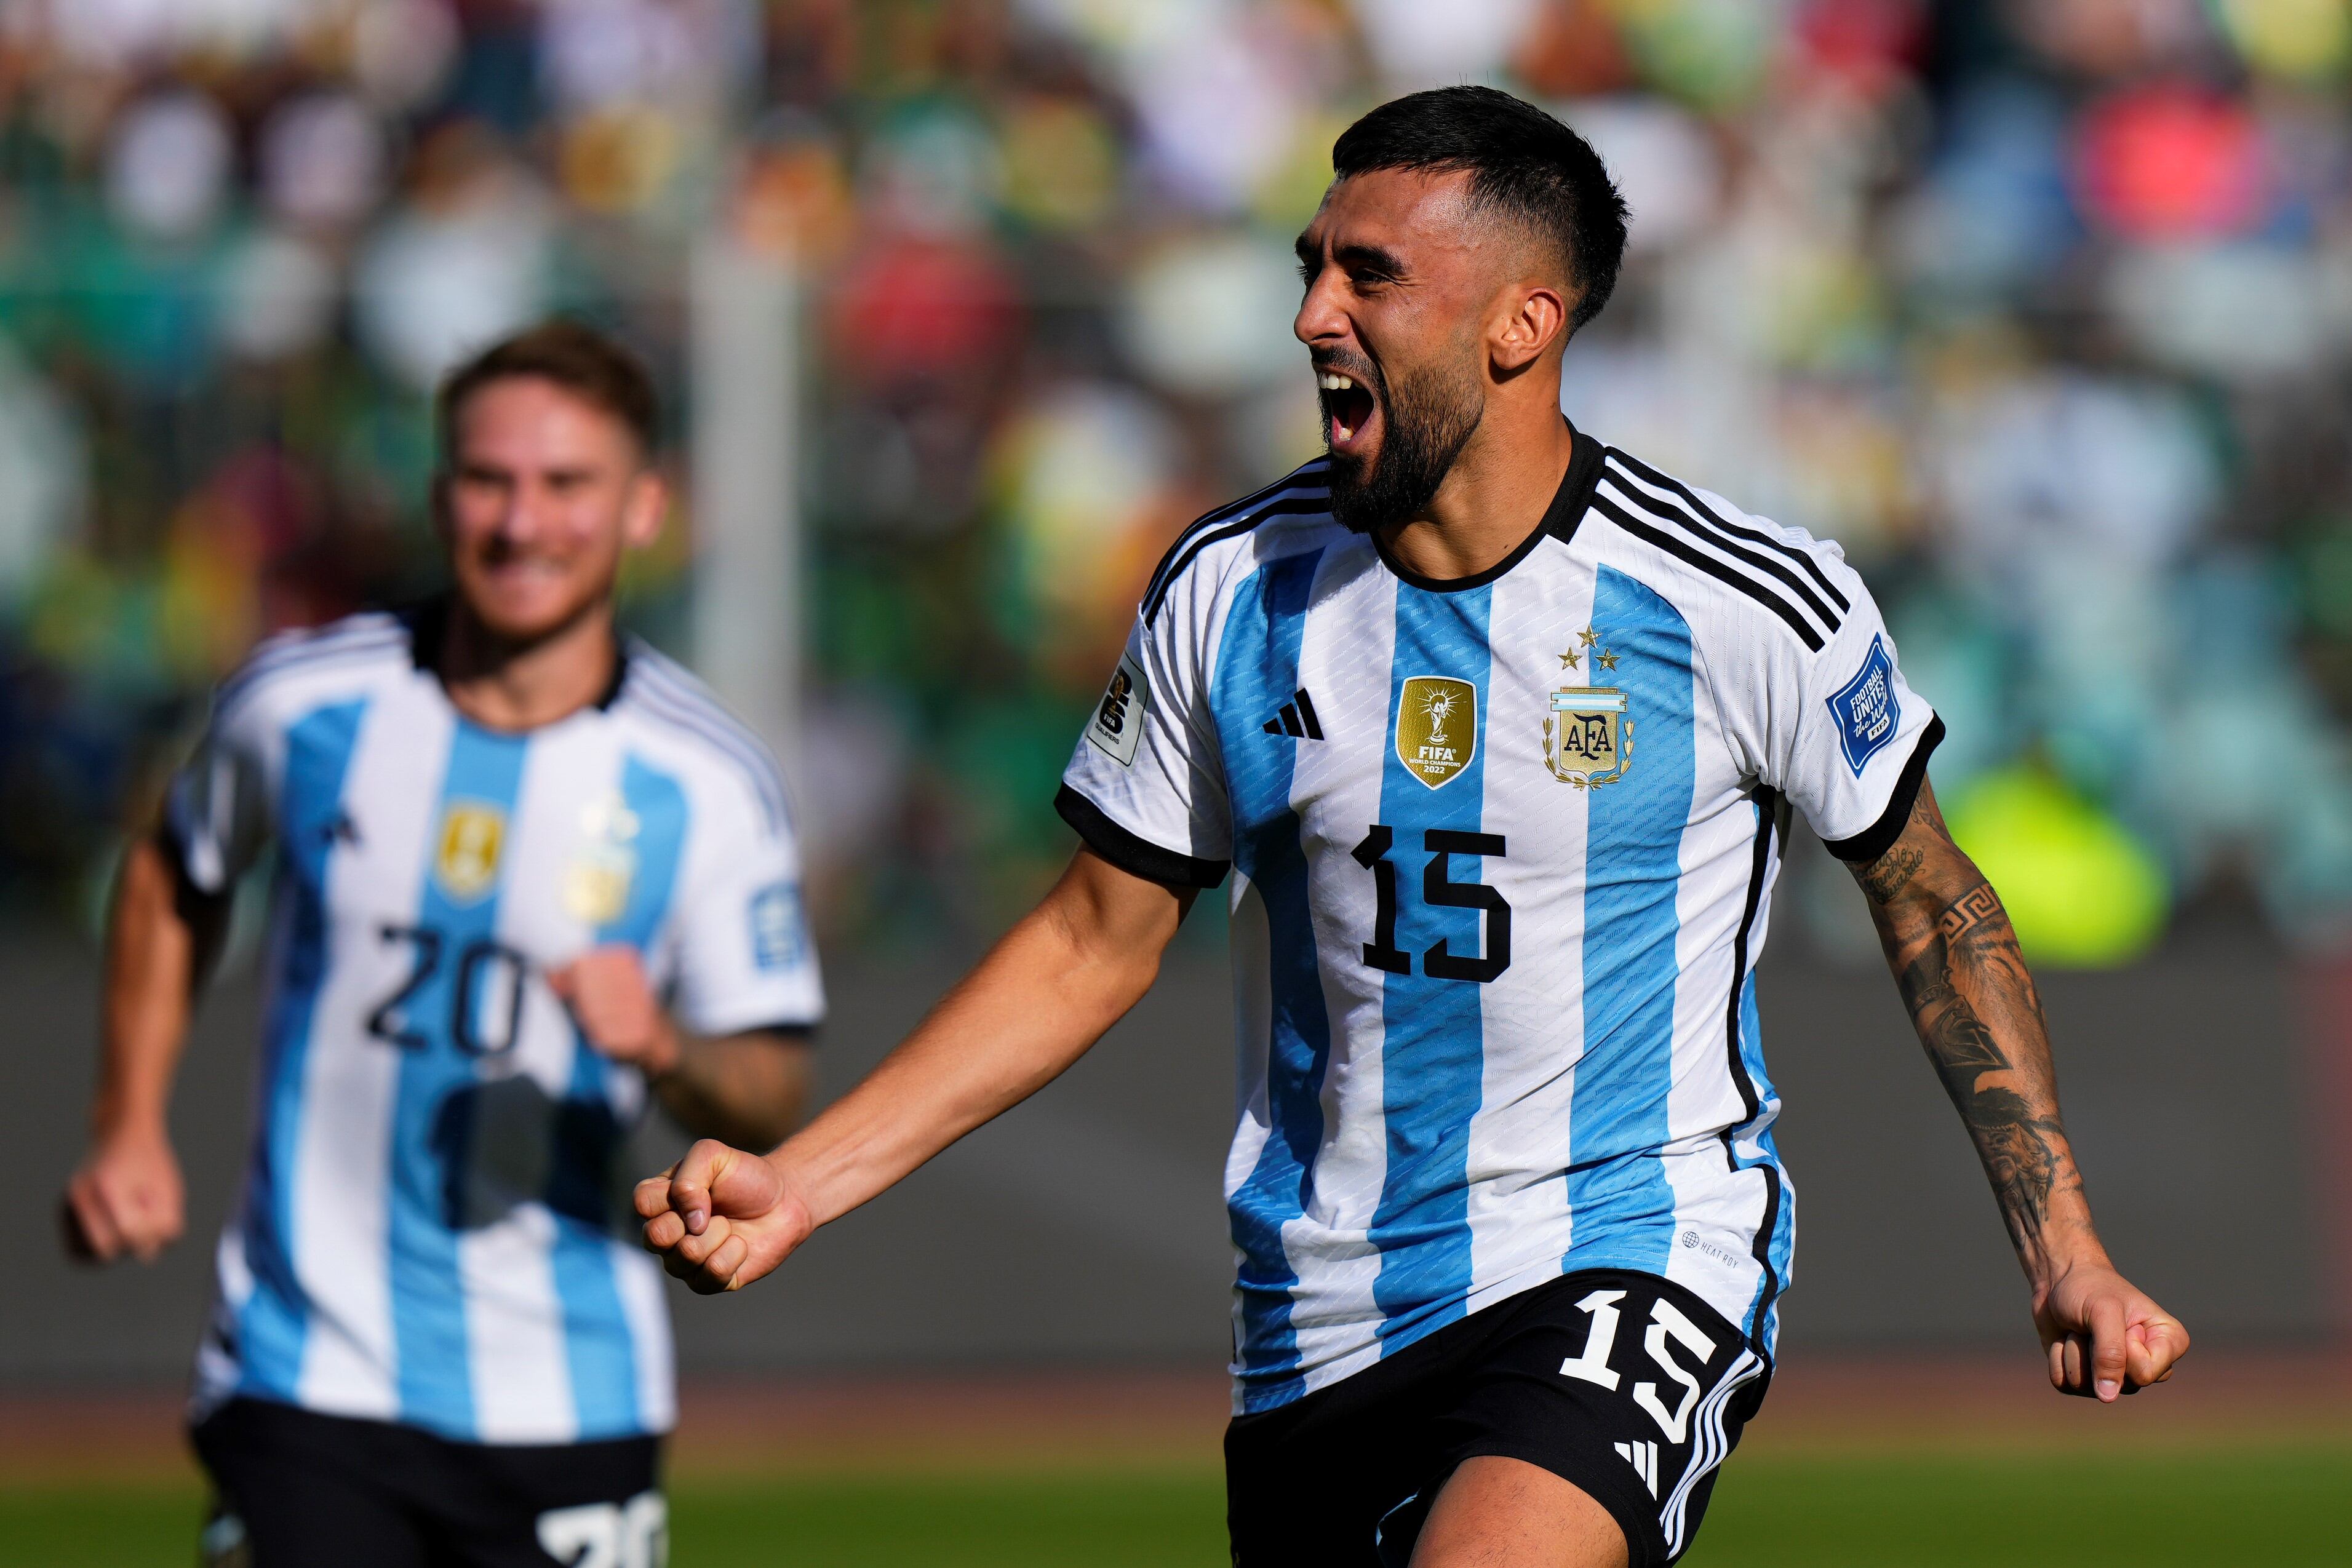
{"x":1321,"y":320}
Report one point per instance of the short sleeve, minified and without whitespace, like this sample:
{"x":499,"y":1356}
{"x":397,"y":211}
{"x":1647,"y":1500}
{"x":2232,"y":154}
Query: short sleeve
{"x":220,"y":806}
{"x":1852,"y":747}
{"x":744,"y":956}
{"x":1145,"y":788}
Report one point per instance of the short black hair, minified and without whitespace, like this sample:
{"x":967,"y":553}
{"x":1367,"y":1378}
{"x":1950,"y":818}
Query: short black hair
{"x":1521,"y":162}
{"x":587,"y":363}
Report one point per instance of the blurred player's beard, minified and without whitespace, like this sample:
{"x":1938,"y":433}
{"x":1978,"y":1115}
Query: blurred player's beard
{"x":1430,"y":417}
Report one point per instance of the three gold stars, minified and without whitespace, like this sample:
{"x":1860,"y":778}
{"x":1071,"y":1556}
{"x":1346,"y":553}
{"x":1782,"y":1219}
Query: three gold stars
{"x":1602,"y":659}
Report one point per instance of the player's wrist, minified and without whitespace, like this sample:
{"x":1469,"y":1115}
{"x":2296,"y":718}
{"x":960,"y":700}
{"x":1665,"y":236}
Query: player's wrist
{"x":2062,"y":1248}
{"x":129,"y":1121}
{"x":665,"y":1052}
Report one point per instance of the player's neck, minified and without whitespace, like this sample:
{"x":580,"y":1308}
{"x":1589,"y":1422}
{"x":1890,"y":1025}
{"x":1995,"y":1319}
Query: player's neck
{"x":504,"y":684}
{"x":1493,"y":498}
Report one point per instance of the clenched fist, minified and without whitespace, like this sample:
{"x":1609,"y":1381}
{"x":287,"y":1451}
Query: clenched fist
{"x":126,"y":1197}
{"x":720,"y":1219}
{"x":616,"y":1009}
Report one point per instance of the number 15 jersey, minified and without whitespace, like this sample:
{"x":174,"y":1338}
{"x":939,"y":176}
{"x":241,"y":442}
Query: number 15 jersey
{"x":1503,"y":852}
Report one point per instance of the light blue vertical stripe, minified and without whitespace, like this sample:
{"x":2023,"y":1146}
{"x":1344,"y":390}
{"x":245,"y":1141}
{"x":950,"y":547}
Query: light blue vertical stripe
{"x":270,"y":1326}
{"x":1257,"y":672}
{"x":432,"y":1135}
{"x":1617,"y":1185}
{"x":1433,"y":1056}
{"x":596,"y":1338}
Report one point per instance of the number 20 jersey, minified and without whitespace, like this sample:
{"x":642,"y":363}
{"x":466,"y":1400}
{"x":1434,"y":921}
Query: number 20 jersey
{"x":1503,"y":851}
{"x":435,"y":1227}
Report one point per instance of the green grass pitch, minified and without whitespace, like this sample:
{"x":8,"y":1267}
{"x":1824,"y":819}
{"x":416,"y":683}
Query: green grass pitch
{"x":2282,"y":1507}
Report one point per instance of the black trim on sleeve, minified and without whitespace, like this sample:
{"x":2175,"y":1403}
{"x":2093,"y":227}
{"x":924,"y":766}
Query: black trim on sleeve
{"x":1879,"y":837}
{"x":799,"y":1031}
{"x":1137,"y":857}
{"x":187,"y":894}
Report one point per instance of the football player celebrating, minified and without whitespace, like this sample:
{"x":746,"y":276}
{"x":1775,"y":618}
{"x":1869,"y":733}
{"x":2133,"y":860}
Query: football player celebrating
{"x":1498,"y":733}
{"x":526,"y":875}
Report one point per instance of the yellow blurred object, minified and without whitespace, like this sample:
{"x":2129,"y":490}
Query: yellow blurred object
{"x":617,"y":160}
{"x":1061,"y":163}
{"x":2082,"y":893}
{"x":2304,"y":39}
{"x":1292,"y":189}
{"x":793,"y":203}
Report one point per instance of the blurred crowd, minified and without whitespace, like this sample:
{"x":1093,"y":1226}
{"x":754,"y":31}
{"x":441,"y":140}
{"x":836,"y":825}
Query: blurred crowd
{"x":2042,"y":310}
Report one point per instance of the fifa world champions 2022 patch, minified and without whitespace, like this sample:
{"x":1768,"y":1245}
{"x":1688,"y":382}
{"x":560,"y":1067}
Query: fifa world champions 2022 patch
{"x":777,"y":942}
{"x":1117,"y":723}
{"x":1868,"y":713}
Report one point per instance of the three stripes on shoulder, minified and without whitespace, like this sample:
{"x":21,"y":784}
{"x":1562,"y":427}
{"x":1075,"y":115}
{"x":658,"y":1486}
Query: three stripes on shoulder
{"x":1665,"y":513}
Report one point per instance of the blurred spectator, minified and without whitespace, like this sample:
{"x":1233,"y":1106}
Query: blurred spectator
{"x":2042,"y":310}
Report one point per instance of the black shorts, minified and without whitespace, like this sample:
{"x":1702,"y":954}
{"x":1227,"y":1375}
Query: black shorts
{"x":294,"y":1489}
{"x":1629,"y":1387}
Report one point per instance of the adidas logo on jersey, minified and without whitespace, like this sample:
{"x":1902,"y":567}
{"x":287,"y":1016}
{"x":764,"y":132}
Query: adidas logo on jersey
{"x":1643,"y":1457}
{"x":1296,"y":718}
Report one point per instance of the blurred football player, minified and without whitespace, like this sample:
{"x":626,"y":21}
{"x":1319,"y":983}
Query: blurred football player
{"x":526,"y":875}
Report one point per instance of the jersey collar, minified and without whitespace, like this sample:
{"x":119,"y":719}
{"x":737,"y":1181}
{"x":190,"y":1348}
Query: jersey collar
{"x":427,"y":619}
{"x":1559,"y":520}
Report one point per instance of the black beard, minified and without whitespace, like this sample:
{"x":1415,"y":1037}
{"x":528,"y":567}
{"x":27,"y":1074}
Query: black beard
{"x":1430,"y":417}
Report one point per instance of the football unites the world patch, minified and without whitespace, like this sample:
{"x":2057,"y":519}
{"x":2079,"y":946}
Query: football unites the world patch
{"x":1437,"y":728}
{"x":776,"y":941}
{"x":1867,"y":711}
{"x":1118,"y":725}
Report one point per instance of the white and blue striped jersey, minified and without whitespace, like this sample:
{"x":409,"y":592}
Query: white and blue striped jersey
{"x":435,"y":1227}
{"x":1503,"y":852}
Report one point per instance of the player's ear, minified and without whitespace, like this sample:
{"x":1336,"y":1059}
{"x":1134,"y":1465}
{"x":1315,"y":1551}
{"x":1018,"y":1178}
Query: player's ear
{"x":1533,"y":316}
{"x":645,"y":510}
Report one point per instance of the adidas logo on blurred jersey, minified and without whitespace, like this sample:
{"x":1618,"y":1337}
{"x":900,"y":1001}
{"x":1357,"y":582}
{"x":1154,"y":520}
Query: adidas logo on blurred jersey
{"x":1643,"y":1457}
{"x":1296,"y":718}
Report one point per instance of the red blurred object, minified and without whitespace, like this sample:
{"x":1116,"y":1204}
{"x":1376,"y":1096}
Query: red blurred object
{"x":1871,"y":45}
{"x":2172,"y":162}
{"x":1573,"y":51}
{"x":916,"y":309}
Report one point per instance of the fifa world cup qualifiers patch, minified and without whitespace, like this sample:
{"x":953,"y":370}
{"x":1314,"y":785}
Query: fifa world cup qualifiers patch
{"x":1866,"y":707}
{"x":776,"y":940}
{"x":1117,"y":723}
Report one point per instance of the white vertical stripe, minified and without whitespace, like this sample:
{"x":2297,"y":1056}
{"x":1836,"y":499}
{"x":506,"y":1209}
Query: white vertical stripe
{"x":1533,"y":1012}
{"x":340,"y":1198}
{"x":1715,"y":1213}
{"x":1344,"y":658}
{"x":639,"y":1280}
{"x":514,"y":1330}
{"x":569,"y":767}
{"x":1253,"y":1030}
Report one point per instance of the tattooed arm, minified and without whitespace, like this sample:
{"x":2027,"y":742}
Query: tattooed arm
{"x":1955,"y":960}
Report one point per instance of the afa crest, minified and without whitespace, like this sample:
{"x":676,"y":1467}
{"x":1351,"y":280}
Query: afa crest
{"x":466,"y":862}
{"x":1437,"y":728}
{"x":596,"y":883}
{"x":1588,"y":734}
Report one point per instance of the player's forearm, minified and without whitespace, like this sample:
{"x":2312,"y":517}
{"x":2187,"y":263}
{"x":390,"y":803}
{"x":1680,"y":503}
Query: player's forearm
{"x":153,"y":955}
{"x":1978,"y":1017}
{"x":747,"y":1090}
{"x":1033,"y":1005}
{"x":1956,"y":962}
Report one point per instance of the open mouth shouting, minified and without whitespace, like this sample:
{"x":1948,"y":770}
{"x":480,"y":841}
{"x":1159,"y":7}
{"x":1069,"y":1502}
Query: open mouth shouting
{"x":1349,"y":407}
